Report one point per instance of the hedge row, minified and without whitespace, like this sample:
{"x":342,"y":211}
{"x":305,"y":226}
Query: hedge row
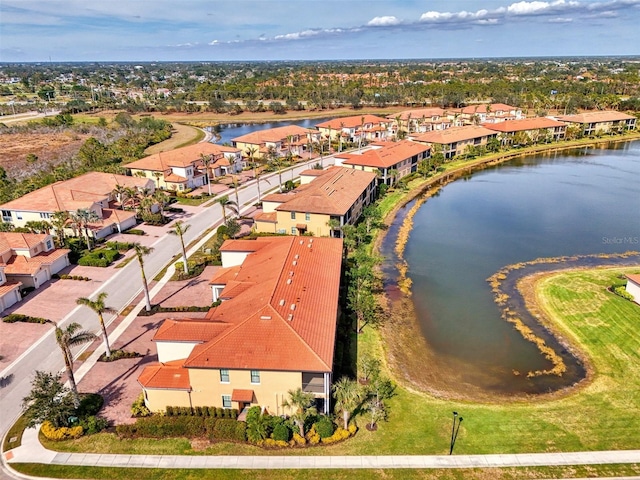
{"x":19,"y":317}
{"x":99,"y":258}
{"x":118,"y":355}
{"x":62,"y":433}
{"x":216,"y":412}
{"x":158,"y":309}
{"x":120,"y":246}
{"x":159,"y":426}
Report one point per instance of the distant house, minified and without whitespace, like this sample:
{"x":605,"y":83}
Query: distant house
{"x":366,"y":127}
{"x":282,"y":140}
{"x":91,"y":191}
{"x":633,"y":287}
{"x":389,"y":160}
{"x":184,"y":168}
{"x":592,"y":123}
{"x":273,"y":332}
{"x":536,"y":129}
{"x":27,"y":260}
{"x":334,"y":196}
{"x":455,"y":140}
{"x":487,"y":113}
{"x":419,"y":120}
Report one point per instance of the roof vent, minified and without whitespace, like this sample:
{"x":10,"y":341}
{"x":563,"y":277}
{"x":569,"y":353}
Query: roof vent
{"x":290,"y":317}
{"x":295,"y":262}
{"x":293,"y":306}
{"x":301,"y":242}
{"x":291,"y":273}
{"x":282,"y":302}
{"x":265,"y":317}
{"x":296,"y":256}
{"x":288,"y":281}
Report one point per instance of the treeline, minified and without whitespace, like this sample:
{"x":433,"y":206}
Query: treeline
{"x":125,"y":141}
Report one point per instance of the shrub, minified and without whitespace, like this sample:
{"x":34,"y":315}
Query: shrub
{"x":298,"y":439}
{"x":120,"y":246}
{"x":281,"y":432}
{"x":352,"y":429}
{"x":93,"y":424}
{"x":118,"y":355}
{"x":228,"y":429}
{"x":92,"y":261}
{"x":62,"y":433}
{"x":136,"y":231}
{"x":272,"y":443}
{"x":169,"y":411}
{"x":19,"y":317}
{"x":90,"y":404}
{"x":622,"y":292}
{"x":139,"y":409}
{"x":339,"y":435}
{"x":313,"y":436}
{"x":159,"y":426}
{"x":324,"y":426}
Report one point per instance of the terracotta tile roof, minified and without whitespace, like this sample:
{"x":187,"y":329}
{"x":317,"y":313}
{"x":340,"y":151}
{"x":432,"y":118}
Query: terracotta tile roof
{"x":243,"y":245}
{"x":79,"y":192}
{"x":276,"y":197}
{"x":352,"y":122}
{"x":9,"y":286}
{"x":21,"y":241}
{"x":188,"y":330}
{"x":169,"y":376}
{"x":390,"y":153}
{"x":244,"y":396}
{"x":525,"y":124}
{"x":265,"y":331}
{"x":271,"y":217}
{"x":180,"y":157}
{"x":173,"y":178}
{"x":418,"y":113}
{"x":312,"y":172}
{"x":272,"y":134}
{"x":117,"y":216}
{"x":333,"y":193}
{"x":454,"y":134}
{"x":595,"y":117}
{"x":21,"y":265}
{"x":224,"y":275}
{"x":482,"y":108}
{"x":634,"y":278}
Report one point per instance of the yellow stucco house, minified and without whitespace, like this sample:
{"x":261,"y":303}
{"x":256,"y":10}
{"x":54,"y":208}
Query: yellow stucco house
{"x":338,"y":193}
{"x":593,"y":123}
{"x":274,"y":330}
{"x":282,"y":140}
{"x":455,"y":140}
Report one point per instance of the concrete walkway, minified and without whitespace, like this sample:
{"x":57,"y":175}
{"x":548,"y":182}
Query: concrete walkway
{"x":32,"y":451}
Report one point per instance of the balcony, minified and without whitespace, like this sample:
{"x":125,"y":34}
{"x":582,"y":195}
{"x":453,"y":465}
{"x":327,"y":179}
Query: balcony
{"x":313,"y":383}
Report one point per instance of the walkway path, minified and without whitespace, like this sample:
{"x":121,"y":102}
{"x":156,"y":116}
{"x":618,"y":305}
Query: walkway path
{"x":32,"y":451}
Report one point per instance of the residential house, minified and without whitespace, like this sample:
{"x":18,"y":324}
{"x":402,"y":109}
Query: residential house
{"x":633,"y":287}
{"x":333,"y":199}
{"x":419,"y":120}
{"x":593,"y":123}
{"x":274,"y":331}
{"x":187,"y":167}
{"x":486,"y":113}
{"x":529,"y":130}
{"x":27,"y":260}
{"x":281,"y":140}
{"x":455,"y":140}
{"x":389,"y":160}
{"x":358,"y":127}
{"x":91,"y":191}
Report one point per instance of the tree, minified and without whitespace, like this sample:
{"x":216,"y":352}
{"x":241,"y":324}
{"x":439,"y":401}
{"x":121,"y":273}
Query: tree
{"x":100,"y":308}
{"x":348,"y":395}
{"x":141,"y":251}
{"x":206,"y":161}
{"x":179,"y":229}
{"x":275,"y":161}
{"x":252,"y":150}
{"x":226,"y":203}
{"x":48,"y":400}
{"x":301,"y":405}
{"x":66,"y":339}
{"x":83,"y":218}
{"x":58,"y":221}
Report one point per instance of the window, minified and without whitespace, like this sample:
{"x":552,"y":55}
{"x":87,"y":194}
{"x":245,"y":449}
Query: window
{"x":294,"y":231}
{"x":224,"y":375}
{"x":255,"y":376}
{"x":49,"y":245}
{"x":307,"y":216}
{"x":293,"y":215}
{"x":45,"y":215}
{"x":226,"y":401}
{"x":19,"y":215}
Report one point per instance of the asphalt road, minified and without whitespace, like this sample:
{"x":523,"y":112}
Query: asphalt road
{"x":122,"y":288}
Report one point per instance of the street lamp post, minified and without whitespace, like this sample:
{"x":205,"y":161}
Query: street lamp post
{"x":454,"y":431}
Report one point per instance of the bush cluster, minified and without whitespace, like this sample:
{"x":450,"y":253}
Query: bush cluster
{"x":99,"y":258}
{"x":160,"y":426}
{"x":65,"y":276}
{"x":215,"y":412}
{"x":62,"y":433}
{"x":90,"y":404}
{"x":138,"y":408}
{"x":93,"y":424}
{"x":135,"y":231}
{"x":158,"y":309}
{"x":324,"y":427}
{"x":339,"y":435}
{"x":621,"y":291}
{"x":119,"y":246}
{"x":118,"y":355}
{"x":19,"y":317}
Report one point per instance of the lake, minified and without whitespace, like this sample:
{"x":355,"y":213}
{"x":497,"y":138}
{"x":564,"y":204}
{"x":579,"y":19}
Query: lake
{"x":583,"y":202}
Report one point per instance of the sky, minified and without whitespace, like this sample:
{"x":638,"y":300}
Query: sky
{"x":222,"y":30}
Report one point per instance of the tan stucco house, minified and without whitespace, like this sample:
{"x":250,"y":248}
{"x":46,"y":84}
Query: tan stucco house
{"x":281,"y":140}
{"x":536,"y":129}
{"x":455,"y":140}
{"x":355,"y":128}
{"x":338,"y":194}
{"x":274,"y":330}
{"x":593,"y":123}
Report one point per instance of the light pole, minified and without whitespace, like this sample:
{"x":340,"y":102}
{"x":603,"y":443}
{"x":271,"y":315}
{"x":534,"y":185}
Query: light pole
{"x":454,"y":431}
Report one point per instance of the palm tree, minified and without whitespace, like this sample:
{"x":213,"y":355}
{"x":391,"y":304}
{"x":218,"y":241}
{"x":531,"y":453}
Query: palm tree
{"x":206,"y":161}
{"x":157,"y":176}
{"x":141,"y":251}
{"x":348,"y":395}
{"x":301,"y":404}
{"x":83,"y":217}
{"x":100,"y":308}
{"x":274,"y":159}
{"x":252,"y":151}
{"x":225,"y":203}
{"x":160,"y":198}
{"x":58,"y":221}
{"x":179,"y":229}
{"x":66,"y":339}
{"x":120,"y":192}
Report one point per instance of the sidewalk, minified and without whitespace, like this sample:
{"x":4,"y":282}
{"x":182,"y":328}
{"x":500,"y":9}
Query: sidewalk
{"x":32,"y":451}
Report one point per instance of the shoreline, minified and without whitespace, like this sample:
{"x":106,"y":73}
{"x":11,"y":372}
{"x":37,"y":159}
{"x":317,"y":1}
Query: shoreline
{"x":400,"y":335}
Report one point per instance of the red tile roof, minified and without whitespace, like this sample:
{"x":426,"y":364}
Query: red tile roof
{"x":634,"y":278}
{"x":595,"y":117}
{"x":244,"y":396}
{"x":493,"y":108}
{"x":16,"y":240}
{"x":536,"y":123}
{"x":188,"y":330}
{"x":9,"y":286}
{"x":333,"y":193}
{"x":352,"y":122}
{"x":79,"y":192}
{"x":169,"y":376}
{"x":180,"y":157}
{"x":454,"y":134}
{"x":273,"y":135}
{"x":418,"y":113}
{"x":390,"y":154}
{"x":21,"y":265}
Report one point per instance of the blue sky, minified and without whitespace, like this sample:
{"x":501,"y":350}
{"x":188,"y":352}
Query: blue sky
{"x":174,"y":30}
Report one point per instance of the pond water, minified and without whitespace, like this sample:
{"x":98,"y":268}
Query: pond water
{"x":228,"y":131}
{"x":583,"y":202}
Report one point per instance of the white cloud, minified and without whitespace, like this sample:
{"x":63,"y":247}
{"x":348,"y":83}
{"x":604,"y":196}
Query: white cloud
{"x":383,"y":21}
{"x":536,"y":7}
{"x":560,"y":20}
